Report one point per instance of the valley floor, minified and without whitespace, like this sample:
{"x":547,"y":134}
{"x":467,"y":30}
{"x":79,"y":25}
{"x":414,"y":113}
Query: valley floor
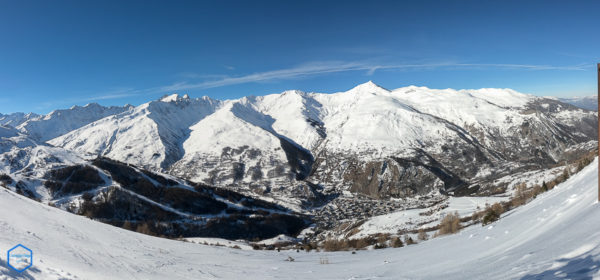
{"x":555,"y":236}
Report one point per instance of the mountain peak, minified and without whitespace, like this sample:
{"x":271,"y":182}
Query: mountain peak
{"x":368,"y":87}
{"x":174,"y":97}
{"x":89,"y":105}
{"x":293,"y":92}
{"x":93,"y":104}
{"x":170,"y":98}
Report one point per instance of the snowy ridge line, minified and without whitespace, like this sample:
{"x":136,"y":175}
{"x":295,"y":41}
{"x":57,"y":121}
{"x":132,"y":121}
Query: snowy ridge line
{"x":201,"y":139}
{"x":59,"y":122}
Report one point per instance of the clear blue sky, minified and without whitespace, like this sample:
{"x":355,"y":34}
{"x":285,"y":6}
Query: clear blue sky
{"x":55,"y":54}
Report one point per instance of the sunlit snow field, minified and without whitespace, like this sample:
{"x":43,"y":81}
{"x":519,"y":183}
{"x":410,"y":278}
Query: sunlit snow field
{"x":555,"y":236}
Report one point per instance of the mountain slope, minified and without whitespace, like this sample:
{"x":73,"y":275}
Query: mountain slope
{"x":298,"y":147}
{"x":123,"y":195}
{"x":240,"y":137}
{"x":151,"y":135}
{"x":554,"y":236}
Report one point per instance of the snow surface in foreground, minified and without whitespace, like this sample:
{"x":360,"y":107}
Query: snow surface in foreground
{"x":555,"y":236}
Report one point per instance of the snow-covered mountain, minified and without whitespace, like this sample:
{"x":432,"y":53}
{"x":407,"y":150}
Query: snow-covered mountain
{"x":59,"y":122}
{"x":15,"y":119}
{"x":116,"y":193}
{"x":586,"y":102}
{"x":285,"y":161}
{"x":555,"y":236}
{"x":368,"y":140}
{"x":150,"y":135}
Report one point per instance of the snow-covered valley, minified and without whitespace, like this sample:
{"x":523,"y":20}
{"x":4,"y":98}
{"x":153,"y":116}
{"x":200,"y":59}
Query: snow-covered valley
{"x":555,"y":236}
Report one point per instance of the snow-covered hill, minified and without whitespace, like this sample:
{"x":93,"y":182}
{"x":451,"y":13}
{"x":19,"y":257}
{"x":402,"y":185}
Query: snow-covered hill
{"x":555,"y":236}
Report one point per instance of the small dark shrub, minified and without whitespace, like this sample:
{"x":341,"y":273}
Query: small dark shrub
{"x":521,"y":195}
{"x":335,"y":245}
{"x":492,"y":213}
{"x":422,"y":235}
{"x":490,"y":217}
{"x":127,"y":225}
{"x":396,"y":242}
{"x":380,"y":246}
{"x":450,"y":224}
{"x":408,"y":240}
{"x":360,"y":243}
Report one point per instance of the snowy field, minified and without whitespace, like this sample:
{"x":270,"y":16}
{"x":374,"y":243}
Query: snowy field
{"x":413,"y":219}
{"x":555,"y":236}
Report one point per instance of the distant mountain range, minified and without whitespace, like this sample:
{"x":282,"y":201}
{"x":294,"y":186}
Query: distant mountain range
{"x":366,"y":140}
{"x":299,"y":150}
{"x":586,"y":102}
{"x":59,"y":122}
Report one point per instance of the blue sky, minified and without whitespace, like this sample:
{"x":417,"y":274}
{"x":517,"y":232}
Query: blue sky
{"x":55,"y":54}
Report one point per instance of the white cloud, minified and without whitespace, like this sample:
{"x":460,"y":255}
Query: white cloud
{"x":318,"y":68}
{"x":110,"y":96}
{"x":115,"y":93}
{"x":290,"y":73}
